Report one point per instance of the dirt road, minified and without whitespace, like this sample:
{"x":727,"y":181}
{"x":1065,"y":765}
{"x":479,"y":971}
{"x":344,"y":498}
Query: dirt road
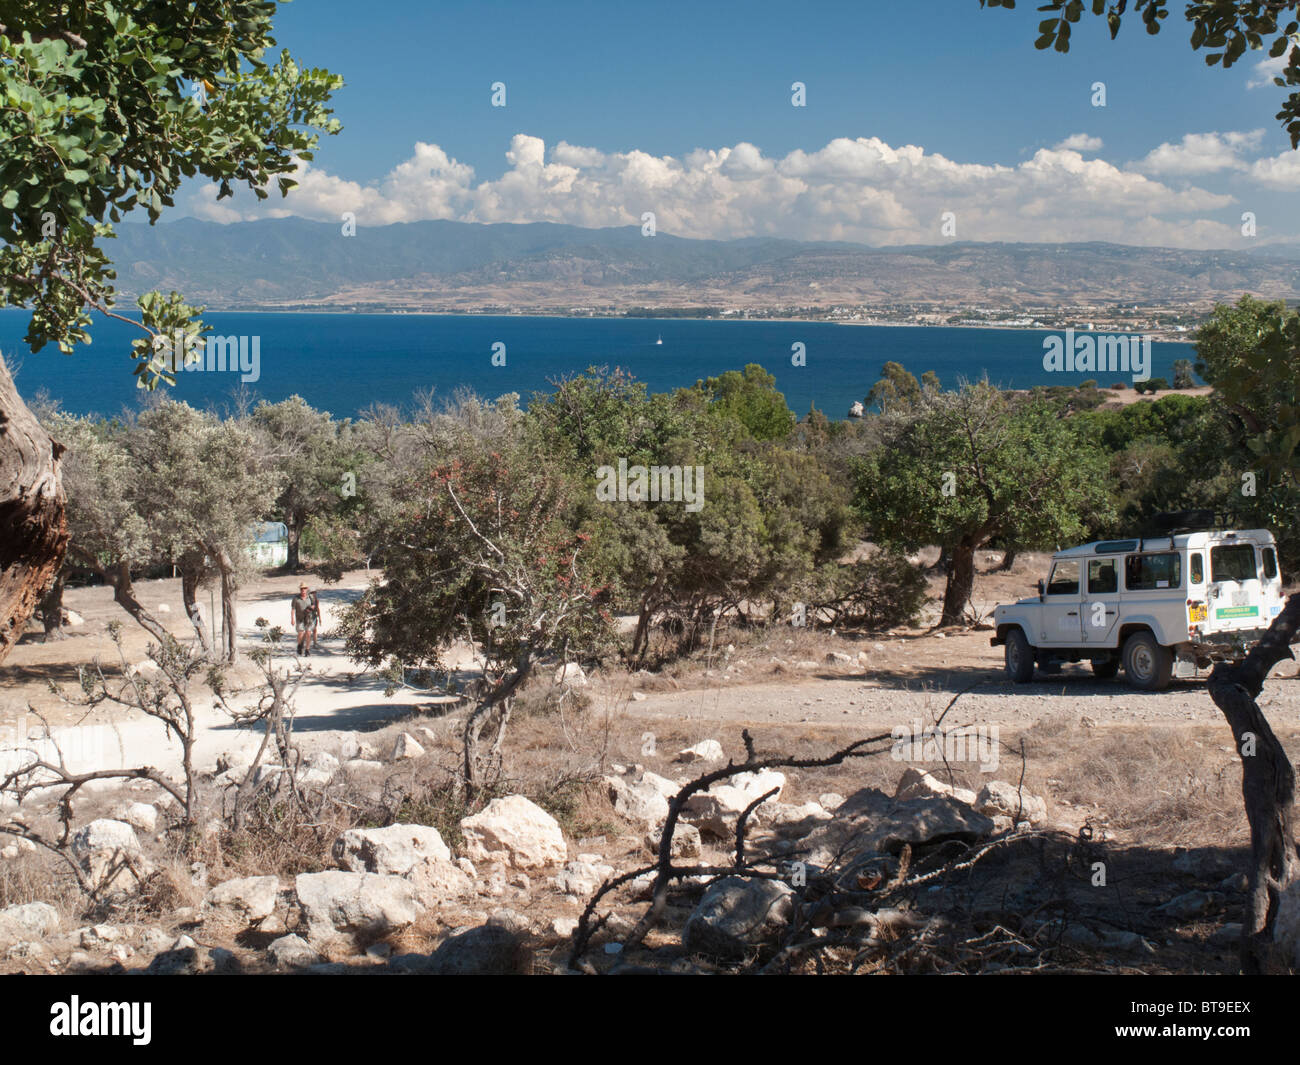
{"x":777,"y":682}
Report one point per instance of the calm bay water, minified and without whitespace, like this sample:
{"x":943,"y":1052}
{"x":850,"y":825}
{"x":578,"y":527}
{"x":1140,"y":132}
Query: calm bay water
{"x":344,"y":363}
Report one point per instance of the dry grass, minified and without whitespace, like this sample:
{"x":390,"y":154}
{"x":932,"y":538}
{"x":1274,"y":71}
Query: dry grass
{"x":40,"y":877}
{"x":1163,"y":786}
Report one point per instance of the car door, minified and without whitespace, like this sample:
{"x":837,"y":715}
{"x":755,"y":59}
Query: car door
{"x":1100,"y":608}
{"x":1061,"y":622}
{"x":1236,"y":598}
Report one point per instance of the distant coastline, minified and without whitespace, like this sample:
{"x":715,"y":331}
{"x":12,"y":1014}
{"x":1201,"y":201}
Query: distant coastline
{"x":1158,"y":335}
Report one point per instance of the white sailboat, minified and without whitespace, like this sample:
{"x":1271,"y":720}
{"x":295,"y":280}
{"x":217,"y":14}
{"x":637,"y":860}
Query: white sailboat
{"x":660,"y":341}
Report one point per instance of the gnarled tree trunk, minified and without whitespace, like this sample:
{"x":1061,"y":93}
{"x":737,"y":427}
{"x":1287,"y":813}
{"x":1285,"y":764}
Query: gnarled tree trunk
{"x":229,"y":597}
{"x":33,"y":522}
{"x":961,"y":583}
{"x":1267,"y":784}
{"x":493,"y":709}
{"x":118,"y":577}
{"x":52,"y":609}
{"x":191,"y":567}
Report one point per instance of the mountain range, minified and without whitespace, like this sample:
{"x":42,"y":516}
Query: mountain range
{"x":292,"y":263}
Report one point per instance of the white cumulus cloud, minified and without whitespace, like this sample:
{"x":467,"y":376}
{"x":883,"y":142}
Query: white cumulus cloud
{"x":854,"y":189}
{"x":1080,"y":142}
{"x":1265,"y":71}
{"x":1279,"y":171}
{"x":1201,"y":153}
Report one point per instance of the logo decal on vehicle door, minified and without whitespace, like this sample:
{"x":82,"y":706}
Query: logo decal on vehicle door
{"x":1237,"y":612}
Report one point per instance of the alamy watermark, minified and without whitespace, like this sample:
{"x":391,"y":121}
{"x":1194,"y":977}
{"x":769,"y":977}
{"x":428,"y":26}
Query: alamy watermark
{"x":1098,"y":353}
{"x":133,"y":1020}
{"x":79,"y":747}
{"x":651,"y":484}
{"x":213,"y":354}
{"x":930,"y":743}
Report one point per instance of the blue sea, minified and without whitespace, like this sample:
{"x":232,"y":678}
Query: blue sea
{"x":343,"y":363}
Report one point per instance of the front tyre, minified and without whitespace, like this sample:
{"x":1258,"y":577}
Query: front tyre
{"x":1147,"y":666}
{"x":1019,"y":657}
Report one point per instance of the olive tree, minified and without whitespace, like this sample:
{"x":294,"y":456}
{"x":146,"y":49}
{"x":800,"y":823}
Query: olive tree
{"x":108,"y":534}
{"x":109,"y":107}
{"x":482,"y":550}
{"x":959,"y":469}
{"x":202,"y":484}
{"x":315,"y":457}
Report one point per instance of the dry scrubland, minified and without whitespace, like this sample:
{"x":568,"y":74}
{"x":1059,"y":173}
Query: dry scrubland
{"x":1148,"y":785}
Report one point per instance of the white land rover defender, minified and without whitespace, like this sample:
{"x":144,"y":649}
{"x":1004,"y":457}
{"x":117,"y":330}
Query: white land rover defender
{"x":1162,"y":606}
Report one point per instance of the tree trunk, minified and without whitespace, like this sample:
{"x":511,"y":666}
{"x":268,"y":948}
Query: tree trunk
{"x":642,"y":635}
{"x":33,"y":522}
{"x":191,"y":573}
{"x":118,"y":577}
{"x":52,"y":610}
{"x":229,"y":597}
{"x":295,"y":525}
{"x":1008,"y":560}
{"x":1267,"y":786}
{"x":495,"y":703}
{"x":961,"y":583}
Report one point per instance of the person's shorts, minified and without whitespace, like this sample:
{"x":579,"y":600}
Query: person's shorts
{"x":302,"y":626}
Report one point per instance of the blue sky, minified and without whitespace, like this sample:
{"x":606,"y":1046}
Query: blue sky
{"x":638,"y":89}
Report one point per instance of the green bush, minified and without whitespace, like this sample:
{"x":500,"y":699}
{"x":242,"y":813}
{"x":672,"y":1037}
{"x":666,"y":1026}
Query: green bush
{"x":879,"y":592}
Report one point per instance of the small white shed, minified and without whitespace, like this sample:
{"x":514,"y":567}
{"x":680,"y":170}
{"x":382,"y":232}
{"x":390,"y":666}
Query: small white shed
{"x":269,"y":544}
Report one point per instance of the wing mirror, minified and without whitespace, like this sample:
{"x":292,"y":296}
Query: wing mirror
{"x":1042,"y":589}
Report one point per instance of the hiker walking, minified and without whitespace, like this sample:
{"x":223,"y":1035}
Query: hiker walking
{"x":306,"y":615}
{"x":313,"y":622}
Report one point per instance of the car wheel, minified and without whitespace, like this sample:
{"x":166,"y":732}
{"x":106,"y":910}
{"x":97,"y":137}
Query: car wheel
{"x":1019,"y":657}
{"x":1147,"y":665}
{"x":1105,"y":668}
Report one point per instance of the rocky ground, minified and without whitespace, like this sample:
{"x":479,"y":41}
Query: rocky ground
{"x":1106,"y":824}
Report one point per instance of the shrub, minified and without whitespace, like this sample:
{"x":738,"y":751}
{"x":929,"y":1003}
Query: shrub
{"x":878,"y":592}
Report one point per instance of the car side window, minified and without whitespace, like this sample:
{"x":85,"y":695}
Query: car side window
{"x":1198,"y":567}
{"x":1270,"y":563}
{"x":1103,"y":577}
{"x":1065,"y":579}
{"x":1147,"y":572}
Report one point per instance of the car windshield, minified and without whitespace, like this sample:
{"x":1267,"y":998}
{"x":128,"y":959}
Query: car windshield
{"x":1065,"y":579}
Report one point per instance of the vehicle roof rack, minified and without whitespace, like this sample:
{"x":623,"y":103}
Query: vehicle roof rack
{"x":1203,"y":519}
{"x":1172,"y":521}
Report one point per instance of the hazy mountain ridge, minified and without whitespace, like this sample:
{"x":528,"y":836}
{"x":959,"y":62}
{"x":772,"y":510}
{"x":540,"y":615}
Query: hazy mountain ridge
{"x":293,"y":261}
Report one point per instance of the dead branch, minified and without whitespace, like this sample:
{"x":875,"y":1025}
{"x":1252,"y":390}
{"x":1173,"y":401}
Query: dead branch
{"x":664,"y":869}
